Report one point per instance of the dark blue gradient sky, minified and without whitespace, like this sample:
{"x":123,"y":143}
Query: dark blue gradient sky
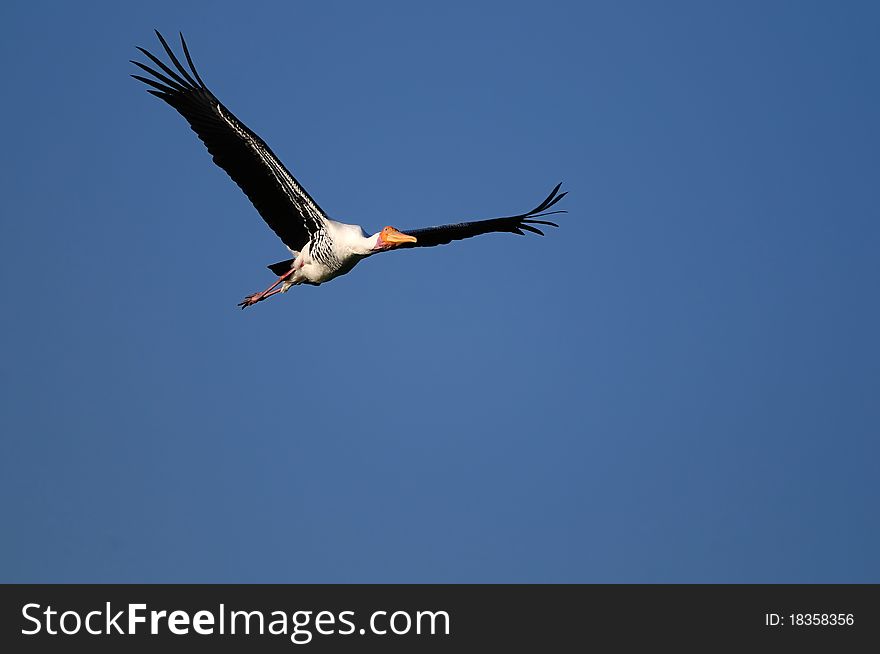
{"x":678,"y":385}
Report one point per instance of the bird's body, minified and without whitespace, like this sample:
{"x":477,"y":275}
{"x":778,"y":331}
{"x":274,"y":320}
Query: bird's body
{"x":341,"y":249}
{"x":322,"y":248}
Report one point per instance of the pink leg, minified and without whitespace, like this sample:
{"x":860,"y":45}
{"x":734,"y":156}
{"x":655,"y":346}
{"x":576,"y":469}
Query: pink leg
{"x":258,"y":297}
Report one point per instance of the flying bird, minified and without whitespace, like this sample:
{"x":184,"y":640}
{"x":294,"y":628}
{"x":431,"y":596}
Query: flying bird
{"x":322,"y":248}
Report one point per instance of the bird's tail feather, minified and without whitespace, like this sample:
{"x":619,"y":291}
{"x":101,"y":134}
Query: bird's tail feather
{"x":281,"y":267}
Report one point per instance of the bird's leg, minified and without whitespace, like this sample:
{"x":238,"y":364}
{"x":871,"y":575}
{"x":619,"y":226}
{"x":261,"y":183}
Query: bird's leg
{"x":257,"y":297}
{"x":262,"y":295}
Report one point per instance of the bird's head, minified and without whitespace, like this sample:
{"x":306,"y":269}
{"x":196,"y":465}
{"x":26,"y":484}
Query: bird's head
{"x":390,"y":237}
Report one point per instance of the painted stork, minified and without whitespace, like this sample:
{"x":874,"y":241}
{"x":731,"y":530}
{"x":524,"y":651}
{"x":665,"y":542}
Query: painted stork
{"x":322,"y":248}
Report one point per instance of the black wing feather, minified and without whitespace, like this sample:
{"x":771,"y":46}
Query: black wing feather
{"x":443,"y":234}
{"x":279,"y":198}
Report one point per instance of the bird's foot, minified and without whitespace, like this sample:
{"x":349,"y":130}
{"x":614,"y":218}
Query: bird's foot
{"x":258,"y":297}
{"x":251,"y":299}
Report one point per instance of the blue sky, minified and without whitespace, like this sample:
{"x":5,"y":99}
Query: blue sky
{"x":678,"y":385}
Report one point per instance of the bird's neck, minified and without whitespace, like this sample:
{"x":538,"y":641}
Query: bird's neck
{"x":366,"y":245}
{"x":351,"y":238}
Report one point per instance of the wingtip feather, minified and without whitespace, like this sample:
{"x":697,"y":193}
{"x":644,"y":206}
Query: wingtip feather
{"x":189,"y":60}
{"x":175,"y":60}
{"x":533,"y":230}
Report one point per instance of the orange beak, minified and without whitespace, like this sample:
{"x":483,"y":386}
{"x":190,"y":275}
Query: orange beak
{"x":394,"y":237}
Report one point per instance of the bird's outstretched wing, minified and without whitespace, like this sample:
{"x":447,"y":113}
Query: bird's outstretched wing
{"x":443,"y":234}
{"x":282,"y":202}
